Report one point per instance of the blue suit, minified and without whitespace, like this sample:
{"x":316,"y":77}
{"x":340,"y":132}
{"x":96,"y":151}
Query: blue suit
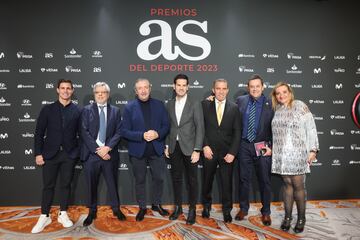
{"x":247,"y":156}
{"x":90,"y":122}
{"x":133,"y":129}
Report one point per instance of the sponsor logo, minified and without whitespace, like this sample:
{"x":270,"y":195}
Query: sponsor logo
{"x":48,"y":55}
{"x":75,"y":101}
{"x":44,"y":102}
{"x":337,"y":147}
{"x":23,"y":55}
{"x":357,"y":85}
{"x":4,"y":135}
{"x":335,"y":132}
{"x":358,"y":71}
{"x":4,"y":70}
{"x":354,"y":162}
{"x":29,"y":167}
{"x":165,"y":85}
{"x":355,"y":132}
{"x":316,"y":163}
{"x":28,"y":151}
{"x":27,"y":118}
{"x":26,"y":103}
{"x":2,"y":55}
{"x":338,"y":86}
{"x":270,"y":55}
{"x":4,"y":119}
{"x":240,"y":85}
{"x":24,"y":70}
{"x":7,"y":168}
{"x":317,"y":101}
{"x":122,"y":150}
{"x":49,"y":85}
{"x":336,"y":162}
{"x":293,"y":56}
{"x":5,"y":152}
{"x":316,"y":86}
{"x":196,"y":84}
{"x":78,"y":167}
{"x":91,"y":101}
{"x":318,"y":118}
{"x":317,"y":70}
{"x":97,"y":69}
{"x":3,"y":102}
{"x":320,"y":133}
{"x":27,"y":135}
{"x":123,"y":166}
{"x":75,"y":85}
{"x":71,"y":69}
{"x":339,"y":70}
{"x":294,"y":70}
{"x":244,"y":69}
{"x":73,"y":54}
{"x":3,"y":86}
{"x":48,"y":69}
{"x":322,"y":58}
{"x":121,"y":85}
{"x":296,"y":85}
{"x":337,"y":117}
{"x":270,"y":70}
{"x":338,"y":101}
{"x":354,"y":147}
{"x":168,"y":50}
{"x":358,"y":57}
{"x":243,"y":55}
{"x":25,"y":86}
{"x":96,"y":54}
{"x":339,"y":57}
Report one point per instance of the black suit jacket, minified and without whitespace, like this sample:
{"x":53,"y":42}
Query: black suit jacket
{"x":226,"y":137}
{"x":50,"y":134}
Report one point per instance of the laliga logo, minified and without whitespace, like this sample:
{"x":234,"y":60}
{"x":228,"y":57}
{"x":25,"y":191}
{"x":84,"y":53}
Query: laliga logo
{"x":166,"y":41}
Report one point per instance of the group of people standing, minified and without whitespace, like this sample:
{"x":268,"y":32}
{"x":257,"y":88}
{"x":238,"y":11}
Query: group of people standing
{"x":272,"y":136}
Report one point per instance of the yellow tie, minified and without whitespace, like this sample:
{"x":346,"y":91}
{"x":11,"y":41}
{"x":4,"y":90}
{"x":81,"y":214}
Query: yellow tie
{"x":219,"y":112}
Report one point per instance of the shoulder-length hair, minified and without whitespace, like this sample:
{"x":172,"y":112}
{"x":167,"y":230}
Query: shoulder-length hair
{"x":275,"y":103}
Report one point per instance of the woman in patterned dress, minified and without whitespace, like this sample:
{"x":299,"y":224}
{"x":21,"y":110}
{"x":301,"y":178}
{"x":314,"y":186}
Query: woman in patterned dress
{"x":295,"y":145}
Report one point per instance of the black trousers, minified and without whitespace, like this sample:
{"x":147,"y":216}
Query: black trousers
{"x":181,"y":163}
{"x":93,"y":168}
{"x":226,"y":178}
{"x":58,"y":165}
{"x":157,"y":169}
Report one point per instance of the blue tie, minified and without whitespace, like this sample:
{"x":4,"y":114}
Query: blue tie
{"x":251,"y":124}
{"x":102,"y":129}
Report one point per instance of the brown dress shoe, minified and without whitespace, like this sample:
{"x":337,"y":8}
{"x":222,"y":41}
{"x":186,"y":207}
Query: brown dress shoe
{"x":240,"y":215}
{"x":266,"y":220}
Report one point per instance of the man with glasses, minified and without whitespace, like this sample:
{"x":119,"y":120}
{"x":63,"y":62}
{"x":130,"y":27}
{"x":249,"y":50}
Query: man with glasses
{"x":100,"y":133}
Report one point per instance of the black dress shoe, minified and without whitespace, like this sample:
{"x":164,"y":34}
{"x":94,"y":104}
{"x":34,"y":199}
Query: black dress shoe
{"x":266,"y":220}
{"x":227,"y":217}
{"x":118,"y":213}
{"x":286,"y":223}
{"x":299,"y":227}
{"x":160,"y":210}
{"x":191,"y":216}
{"x":206,"y":212}
{"x":177,"y":212}
{"x":140,"y":215}
{"x":240,"y":215}
{"x":89,"y":219}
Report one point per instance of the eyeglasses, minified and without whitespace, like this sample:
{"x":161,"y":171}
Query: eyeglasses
{"x":103,"y":92}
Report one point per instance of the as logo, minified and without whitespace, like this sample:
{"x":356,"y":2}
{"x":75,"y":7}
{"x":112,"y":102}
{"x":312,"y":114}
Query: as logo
{"x":166,"y":44}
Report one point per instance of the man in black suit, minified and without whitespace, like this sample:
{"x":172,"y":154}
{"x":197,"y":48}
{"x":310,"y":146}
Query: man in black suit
{"x":221,"y":142}
{"x":257,"y":115}
{"x":56,"y":152}
{"x":100,"y":134}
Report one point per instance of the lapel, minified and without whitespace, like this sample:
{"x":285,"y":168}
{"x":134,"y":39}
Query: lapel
{"x":95,"y":113}
{"x":140,"y":114}
{"x":226,"y":109}
{"x":108,"y":119}
{"x":212,"y":112}
{"x":172,"y":110}
{"x":185,"y":111}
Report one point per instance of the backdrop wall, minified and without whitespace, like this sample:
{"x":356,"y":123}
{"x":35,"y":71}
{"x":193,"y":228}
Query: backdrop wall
{"x":313,"y":45}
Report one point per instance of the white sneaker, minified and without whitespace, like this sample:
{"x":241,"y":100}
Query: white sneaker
{"x":42,"y":222}
{"x":63,"y":218}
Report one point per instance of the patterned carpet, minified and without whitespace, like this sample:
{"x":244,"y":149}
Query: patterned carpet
{"x":335,"y":219}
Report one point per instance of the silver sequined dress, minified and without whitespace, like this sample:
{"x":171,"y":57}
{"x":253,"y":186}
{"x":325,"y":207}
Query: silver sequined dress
{"x":294,"y":135}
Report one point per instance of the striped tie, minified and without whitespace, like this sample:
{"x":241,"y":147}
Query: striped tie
{"x":251,"y":124}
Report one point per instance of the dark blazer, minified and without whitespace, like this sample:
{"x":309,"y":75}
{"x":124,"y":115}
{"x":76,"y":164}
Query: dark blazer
{"x":49,"y":124}
{"x":190,"y":129}
{"x":133,"y":126}
{"x":263,"y":133}
{"x":226,"y":137}
{"x":90,"y":128}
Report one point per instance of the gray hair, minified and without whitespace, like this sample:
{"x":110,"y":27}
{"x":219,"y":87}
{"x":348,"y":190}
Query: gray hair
{"x":101,"y":84}
{"x":220,"y":80}
{"x":140,"y":80}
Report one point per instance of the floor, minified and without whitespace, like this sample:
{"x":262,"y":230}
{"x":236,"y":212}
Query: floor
{"x":334,"y":219}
